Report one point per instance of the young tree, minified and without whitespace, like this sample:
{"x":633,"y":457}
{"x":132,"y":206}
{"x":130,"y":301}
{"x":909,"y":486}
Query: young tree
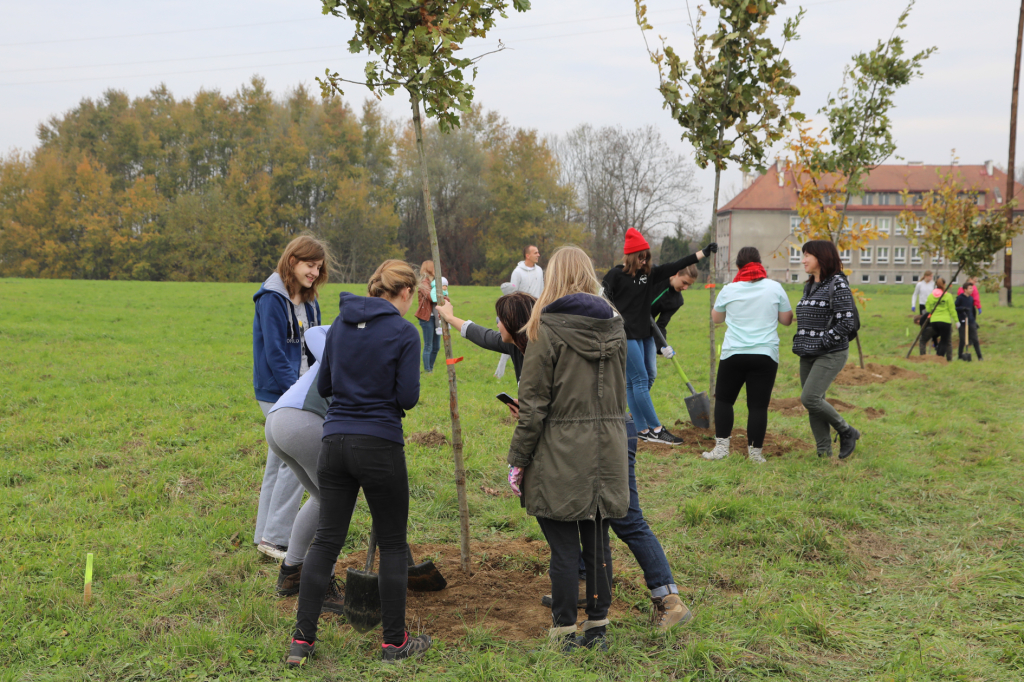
{"x":954,"y":227}
{"x":735,"y":100}
{"x":417,"y":42}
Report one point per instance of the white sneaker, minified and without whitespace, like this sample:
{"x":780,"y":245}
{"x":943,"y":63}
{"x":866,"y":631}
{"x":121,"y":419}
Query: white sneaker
{"x":721,"y":449}
{"x":754,"y":454}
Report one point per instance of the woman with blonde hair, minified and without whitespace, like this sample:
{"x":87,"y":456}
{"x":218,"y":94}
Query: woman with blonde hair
{"x":370,"y":370}
{"x":568,"y":458}
{"x":286,"y":306}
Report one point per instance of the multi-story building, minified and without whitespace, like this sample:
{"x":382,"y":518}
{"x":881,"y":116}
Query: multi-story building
{"x":764,"y":215}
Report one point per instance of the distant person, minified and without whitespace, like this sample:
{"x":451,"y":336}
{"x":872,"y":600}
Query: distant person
{"x":754,"y":307}
{"x":286,"y":306}
{"x":922,"y":291}
{"x":370,"y":370}
{"x":968,"y":328}
{"x":528,"y":277}
{"x":825,"y":319}
{"x":975,"y":295}
{"x":630,"y":288}
{"x":668,"y":299}
{"x":568,"y":453}
{"x":941,"y":311}
{"x":427,"y":319}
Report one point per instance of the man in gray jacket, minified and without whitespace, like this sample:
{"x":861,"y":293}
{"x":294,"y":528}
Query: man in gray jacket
{"x":528,"y":277}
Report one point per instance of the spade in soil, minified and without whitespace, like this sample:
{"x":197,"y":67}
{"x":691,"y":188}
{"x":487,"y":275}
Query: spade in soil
{"x":697,"y":404}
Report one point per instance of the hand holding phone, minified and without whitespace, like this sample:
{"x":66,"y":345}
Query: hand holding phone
{"x":513,"y":403}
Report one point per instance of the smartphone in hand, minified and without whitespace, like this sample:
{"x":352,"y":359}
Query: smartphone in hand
{"x":506,"y":398}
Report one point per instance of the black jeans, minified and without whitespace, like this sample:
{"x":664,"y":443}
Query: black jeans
{"x":758,"y":373}
{"x":348,"y":463}
{"x":966,"y":325}
{"x":564,"y":538}
{"x":942,"y":332}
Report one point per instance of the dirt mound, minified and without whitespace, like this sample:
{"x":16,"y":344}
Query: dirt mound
{"x":937,"y":359}
{"x":851,"y":375}
{"x":775,"y":444}
{"x":873,"y":413}
{"x":502,"y":594}
{"x":432,"y":438}
{"x":791,"y":407}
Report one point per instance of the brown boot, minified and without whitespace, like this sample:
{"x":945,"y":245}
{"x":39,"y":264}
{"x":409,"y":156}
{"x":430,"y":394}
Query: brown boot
{"x":288,"y":583}
{"x":669,"y":611}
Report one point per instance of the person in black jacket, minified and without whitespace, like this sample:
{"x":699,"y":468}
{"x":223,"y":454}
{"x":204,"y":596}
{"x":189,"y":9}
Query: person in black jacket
{"x":630,"y":289}
{"x":965,"y":312}
{"x":668,"y":299}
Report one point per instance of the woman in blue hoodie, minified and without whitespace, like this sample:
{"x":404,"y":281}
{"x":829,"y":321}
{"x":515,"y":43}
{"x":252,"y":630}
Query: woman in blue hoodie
{"x":370,"y":369}
{"x":286,"y":307}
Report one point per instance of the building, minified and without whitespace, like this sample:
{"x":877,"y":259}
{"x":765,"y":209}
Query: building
{"x":763,"y":215}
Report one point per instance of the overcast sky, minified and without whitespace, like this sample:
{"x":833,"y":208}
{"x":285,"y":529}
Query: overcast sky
{"x":569,"y":62}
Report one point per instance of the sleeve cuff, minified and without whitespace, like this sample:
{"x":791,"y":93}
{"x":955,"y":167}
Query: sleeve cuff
{"x":518,"y":460}
{"x":465,"y":327}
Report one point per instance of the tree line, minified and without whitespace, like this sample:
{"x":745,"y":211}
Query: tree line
{"x":212,"y":187}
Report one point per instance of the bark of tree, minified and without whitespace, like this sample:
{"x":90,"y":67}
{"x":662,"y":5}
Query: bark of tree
{"x":1008,"y":259}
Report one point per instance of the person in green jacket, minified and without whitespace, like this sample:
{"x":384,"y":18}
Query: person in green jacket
{"x":941,"y":309}
{"x":568,"y":457}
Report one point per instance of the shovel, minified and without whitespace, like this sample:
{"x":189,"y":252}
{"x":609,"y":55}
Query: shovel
{"x":362,"y":592}
{"x":424,"y":577}
{"x":697,"y":404}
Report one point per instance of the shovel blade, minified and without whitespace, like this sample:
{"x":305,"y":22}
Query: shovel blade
{"x":426,"y":578}
{"x":362,"y":600}
{"x":699,"y":407}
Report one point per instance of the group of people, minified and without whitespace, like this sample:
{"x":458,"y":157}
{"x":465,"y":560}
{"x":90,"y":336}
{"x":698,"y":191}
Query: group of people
{"x":582,"y":350}
{"x":938,"y":312}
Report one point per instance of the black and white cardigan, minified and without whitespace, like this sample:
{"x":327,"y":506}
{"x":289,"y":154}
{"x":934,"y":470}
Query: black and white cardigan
{"x":821,"y":329}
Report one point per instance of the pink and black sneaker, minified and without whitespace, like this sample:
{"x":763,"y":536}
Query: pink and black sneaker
{"x":412,"y":646}
{"x":299,"y":653}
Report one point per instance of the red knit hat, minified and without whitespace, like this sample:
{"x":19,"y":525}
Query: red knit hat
{"x":634,"y":242}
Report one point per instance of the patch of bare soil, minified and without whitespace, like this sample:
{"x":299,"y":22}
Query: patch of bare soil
{"x":703,"y":440}
{"x":431,"y":439}
{"x":937,"y":359}
{"x":792,"y":407}
{"x":851,"y":375}
{"x":502,"y":593}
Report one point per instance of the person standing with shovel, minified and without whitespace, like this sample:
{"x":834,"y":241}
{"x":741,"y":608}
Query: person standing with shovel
{"x":370,"y":369}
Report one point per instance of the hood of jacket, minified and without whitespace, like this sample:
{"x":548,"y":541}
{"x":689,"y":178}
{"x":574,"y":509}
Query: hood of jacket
{"x":355,"y":309}
{"x":937,"y":293}
{"x":524,"y":267}
{"x":273,"y":284}
{"x":586,"y":323}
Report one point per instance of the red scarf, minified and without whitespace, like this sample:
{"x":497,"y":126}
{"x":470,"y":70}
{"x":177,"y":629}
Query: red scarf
{"x":751,"y":272}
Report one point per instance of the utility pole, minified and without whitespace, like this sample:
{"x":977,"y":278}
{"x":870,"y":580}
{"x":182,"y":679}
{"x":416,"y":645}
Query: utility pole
{"x":1008,"y":258}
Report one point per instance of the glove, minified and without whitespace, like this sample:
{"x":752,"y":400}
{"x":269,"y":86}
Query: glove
{"x":437,"y":330}
{"x":667,"y":352}
{"x":710,"y":248}
{"x":515,"y":479}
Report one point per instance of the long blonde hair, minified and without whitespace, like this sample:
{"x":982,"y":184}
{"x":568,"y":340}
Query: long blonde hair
{"x":569,"y":272}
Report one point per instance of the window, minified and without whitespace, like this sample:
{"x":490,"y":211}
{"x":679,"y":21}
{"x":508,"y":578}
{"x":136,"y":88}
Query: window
{"x":794,"y":223}
{"x":915,"y":257}
{"x":899,"y":229}
{"x":884,"y":224}
{"x":794,"y":277}
{"x":899,"y":279}
{"x":869,"y":199}
{"x":897,"y":199}
{"x":881,"y":279}
{"x":899,"y":254}
{"x":956,"y":280}
{"x":794,"y":254}
{"x":883,"y":199}
{"x":936,"y":260}
{"x":865,"y":278}
{"x":865,"y":255}
{"x":845,"y":256}
{"x":883,"y":254}
{"x":918,"y":229}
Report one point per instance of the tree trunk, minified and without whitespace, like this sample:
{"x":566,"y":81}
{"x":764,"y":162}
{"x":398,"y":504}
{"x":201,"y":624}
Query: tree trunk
{"x":713,"y":276}
{"x":453,"y":390}
{"x":1008,"y":259}
{"x":860,"y":352}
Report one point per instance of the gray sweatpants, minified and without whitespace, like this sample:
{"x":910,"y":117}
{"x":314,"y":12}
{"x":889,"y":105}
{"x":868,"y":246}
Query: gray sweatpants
{"x":280,"y":495}
{"x":294,"y":436}
{"x":816,"y":375}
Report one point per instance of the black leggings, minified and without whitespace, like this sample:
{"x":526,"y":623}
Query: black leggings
{"x":758,"y":373}
{"x":348,"y":463}
{"x":565,"y":539}
{"x":942,"y":332}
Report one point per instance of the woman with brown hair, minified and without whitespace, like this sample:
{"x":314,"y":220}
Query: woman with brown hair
{"x":370,"y":371}
{"x":427,"y":318}
{"x":513,"y":313}
{"x":286,"y":306}
{"x":825,"y":319}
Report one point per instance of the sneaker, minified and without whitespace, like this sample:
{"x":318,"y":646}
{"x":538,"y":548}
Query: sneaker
{"x":288,"y":582}
{"x":721,"y":450}
{"x":646,"y":436}
{"x":299,"y":653}
{"x":669,"y":611}
{"x":664,"y":437}
{"x":334,"y":600}
{"x":271,"y":550}
{"x":848,"y":442}
{"x":412,"y":646}
{"x":754,"y":454}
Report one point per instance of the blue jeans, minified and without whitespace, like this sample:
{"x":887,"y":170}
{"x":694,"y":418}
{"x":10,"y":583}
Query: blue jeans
{"x":638,"y":536}
{"x":641,"y":371}
{"x":431,"y":342}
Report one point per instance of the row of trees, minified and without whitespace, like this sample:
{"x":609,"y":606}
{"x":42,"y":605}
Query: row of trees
{"x":211,"y":188}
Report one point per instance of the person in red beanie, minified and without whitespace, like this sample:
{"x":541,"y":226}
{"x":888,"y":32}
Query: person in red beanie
{"x":630,"y":289}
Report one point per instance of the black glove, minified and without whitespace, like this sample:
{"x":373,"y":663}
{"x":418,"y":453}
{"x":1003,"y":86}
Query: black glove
{"x":710,"y":248}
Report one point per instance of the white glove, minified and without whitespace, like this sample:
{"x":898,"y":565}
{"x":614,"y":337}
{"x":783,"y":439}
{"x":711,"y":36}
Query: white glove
{"x":437,"y":330}
{"x":667,"y":352}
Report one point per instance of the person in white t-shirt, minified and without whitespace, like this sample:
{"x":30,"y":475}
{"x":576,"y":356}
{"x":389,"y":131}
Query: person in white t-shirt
{"x":754,"y":307}
{"x":922,"y":291}
{"x":528,"y":277}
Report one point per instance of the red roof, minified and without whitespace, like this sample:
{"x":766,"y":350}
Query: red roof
{"x":764,"y":194}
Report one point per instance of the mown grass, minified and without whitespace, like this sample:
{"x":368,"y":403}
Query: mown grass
{"x":128,"y":429}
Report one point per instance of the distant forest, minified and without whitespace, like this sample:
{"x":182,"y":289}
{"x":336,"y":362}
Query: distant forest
{"x":211,"y":189}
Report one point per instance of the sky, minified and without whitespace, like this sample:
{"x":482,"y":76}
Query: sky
{"x":566,"y":62}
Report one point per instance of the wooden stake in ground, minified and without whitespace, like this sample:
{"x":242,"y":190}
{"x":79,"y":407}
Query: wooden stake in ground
{"x":88,"y":579}
{"x":453,"y":387}
{"x":1008,"y":258}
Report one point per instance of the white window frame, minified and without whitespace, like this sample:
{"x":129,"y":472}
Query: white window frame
{"x":865,"y":278}
{"x":795,"y":254}
{"x":917,"y":228}
{"x":846,"y":255}
{"x":882,"y":278}
{"x":882,"y":254}
{"x":915,"y":255}
{"x":899,"y":279}
{"x":794,"y":223}
{"x":884,"y":225}
{"x":915,"y":279}
{"x":794,"y":277}
{"x":866,"y":254}
{"x":898,"y":230}
{"x":899,"y":254}
{"x":937,"y":260}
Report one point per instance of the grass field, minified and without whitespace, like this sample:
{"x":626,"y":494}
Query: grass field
{"x":128,"y":429}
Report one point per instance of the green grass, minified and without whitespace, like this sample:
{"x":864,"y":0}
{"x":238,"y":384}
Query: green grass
{"x":128,"y":429}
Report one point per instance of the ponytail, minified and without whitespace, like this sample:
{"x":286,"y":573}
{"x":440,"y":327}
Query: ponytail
{"x":390,"y":278}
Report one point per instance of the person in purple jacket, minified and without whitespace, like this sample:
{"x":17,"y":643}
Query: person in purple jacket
{"x":370,"y":369}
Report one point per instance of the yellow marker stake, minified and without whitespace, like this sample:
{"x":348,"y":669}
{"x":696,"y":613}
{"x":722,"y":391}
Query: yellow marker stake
{"x":88,"y":577}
